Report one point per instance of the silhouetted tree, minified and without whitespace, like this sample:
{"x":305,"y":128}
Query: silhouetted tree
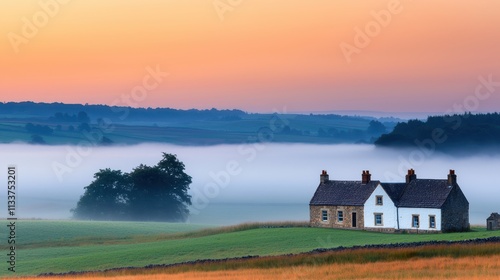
{"x":160,"y":192}
{"x":153,"y":193}
{"x":105,"y":198}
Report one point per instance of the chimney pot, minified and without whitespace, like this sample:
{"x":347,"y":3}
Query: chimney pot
{"x":452,"y":178}
{"x":410,"y":176}
{"x":365,"y":177}
{"x":323,"y":178}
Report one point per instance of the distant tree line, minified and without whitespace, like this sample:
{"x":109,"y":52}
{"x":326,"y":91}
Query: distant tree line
{"x":65,"y":112}
{"x":81,"y":117}
{"x":446,"y":132}
{"x":148,"y":193}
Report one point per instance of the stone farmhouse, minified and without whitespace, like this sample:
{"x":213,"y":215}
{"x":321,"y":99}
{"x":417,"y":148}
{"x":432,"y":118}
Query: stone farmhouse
{"x":417,"y":205}
{"x":493,"y":222}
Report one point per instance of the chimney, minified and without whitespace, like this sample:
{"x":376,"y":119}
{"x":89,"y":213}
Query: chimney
{"x":410,"y":176}
{"x":366,"y":177}
{"x":452,"y":178}
{"x":323,"y":178}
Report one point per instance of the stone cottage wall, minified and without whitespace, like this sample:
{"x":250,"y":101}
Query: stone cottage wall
{"x":455,"y":212}
{"x":493,"y":223}
{"x":316,"y":216}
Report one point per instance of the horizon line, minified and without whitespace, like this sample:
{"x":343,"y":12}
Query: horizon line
{"x":344,"y":112}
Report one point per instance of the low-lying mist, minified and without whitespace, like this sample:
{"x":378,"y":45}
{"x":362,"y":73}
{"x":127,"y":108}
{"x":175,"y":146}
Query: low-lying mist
{"x":238,"y":183}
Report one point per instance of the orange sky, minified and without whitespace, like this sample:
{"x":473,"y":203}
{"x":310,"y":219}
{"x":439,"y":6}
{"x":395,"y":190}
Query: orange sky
{"x":258,"y":55}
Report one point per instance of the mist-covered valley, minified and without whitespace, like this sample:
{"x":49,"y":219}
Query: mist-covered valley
{"x":239,"y":183}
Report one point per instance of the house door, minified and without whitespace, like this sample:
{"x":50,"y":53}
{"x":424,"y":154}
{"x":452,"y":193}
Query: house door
{"x":354,"y":220}
{"x":490,"y":225}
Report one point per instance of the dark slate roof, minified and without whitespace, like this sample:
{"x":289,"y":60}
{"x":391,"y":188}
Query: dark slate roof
{"x":425,"y":193}
{"x":394,"y":190}
{"x":419,"y":193}
{"x":347,"y":193}
{"x":494,"y":216}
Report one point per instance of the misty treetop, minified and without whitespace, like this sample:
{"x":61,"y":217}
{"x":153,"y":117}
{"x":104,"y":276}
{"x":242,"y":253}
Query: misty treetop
{"x":148,"y":193}
{"x":449,"y":132}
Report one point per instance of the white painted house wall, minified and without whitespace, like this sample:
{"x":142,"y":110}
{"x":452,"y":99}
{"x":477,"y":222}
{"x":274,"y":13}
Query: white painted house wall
{"x":405,"y":218}
{"x":388,"y":209}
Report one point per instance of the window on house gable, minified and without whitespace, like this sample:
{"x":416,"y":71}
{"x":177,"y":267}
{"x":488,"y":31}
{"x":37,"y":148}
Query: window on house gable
{"x":324,"y":215}
{"x":340,"y":216}
{"x":415,"y":221}
{"x":379,"y":200}
{"x":378,"y":219}
{"x":432,"y":221}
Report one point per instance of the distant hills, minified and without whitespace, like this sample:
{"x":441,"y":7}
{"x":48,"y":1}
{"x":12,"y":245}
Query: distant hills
{"x":381,"y":115}
{"x":58,"y":123}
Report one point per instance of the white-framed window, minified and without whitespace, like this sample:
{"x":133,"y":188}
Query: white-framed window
{"x":324,"y":215}
{"x":415,"y":221}
{"x":379,"y":200}
{"x":340,"y":216}
{"x":432,"y":221}
{"x":379,"y":219}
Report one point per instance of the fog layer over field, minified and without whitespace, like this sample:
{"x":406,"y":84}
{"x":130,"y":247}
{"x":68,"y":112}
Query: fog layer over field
{"x":238,"y":183}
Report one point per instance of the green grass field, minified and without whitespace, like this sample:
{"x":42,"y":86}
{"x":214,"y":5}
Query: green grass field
{"x":62,"y":246}
{"x":36,"y":234}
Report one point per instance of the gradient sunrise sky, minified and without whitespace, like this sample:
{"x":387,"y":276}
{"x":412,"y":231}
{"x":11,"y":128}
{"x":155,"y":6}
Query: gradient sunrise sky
{"x":255,"y":55}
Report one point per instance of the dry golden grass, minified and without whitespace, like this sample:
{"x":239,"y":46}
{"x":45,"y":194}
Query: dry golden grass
{"x":484,"y":268}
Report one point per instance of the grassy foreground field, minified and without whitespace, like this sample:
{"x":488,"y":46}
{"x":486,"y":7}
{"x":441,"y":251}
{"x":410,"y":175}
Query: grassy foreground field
{"x":45,"y":246}
{"x":457,"y":261}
